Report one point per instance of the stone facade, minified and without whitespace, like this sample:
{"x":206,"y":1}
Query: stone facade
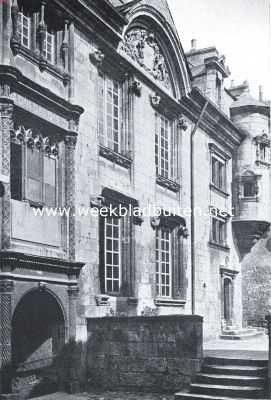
{"x":97,"y":109}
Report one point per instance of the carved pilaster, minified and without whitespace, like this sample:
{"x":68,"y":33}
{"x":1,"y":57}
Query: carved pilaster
{"x":6,"y":289}
{"x":14,"y":42}
{"x":73,"y":293}
{"x":6,"y":116}
{"x":70,"y":143}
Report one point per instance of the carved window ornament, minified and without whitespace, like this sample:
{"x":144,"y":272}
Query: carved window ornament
{"x":171,"y":221}
{"x":142,"y":46}
{"x":155,"y":100}
{"x":97,"y":57}
{"x":182,"y":123}
{"x":248,"y":186}
{"x":136,"y":87}
{"x":21,"y":135}
{"x":263,"y":144}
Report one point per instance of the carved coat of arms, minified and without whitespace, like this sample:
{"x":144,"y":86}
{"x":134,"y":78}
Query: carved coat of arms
{"x":142,"y":47}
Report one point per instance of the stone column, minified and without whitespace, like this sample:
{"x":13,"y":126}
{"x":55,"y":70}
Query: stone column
{"x":6,"y":289}
{"x":70,"y":142}
{"x":73,"y":293}
{"x":6,"y":123}
{"x":268,"y":319}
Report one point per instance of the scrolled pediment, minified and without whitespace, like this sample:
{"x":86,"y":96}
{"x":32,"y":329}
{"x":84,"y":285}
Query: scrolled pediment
{"x":142,"y":47}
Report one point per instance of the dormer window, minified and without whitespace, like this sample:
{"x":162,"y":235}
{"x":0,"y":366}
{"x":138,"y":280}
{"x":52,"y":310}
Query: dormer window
{"x":43,"y":35}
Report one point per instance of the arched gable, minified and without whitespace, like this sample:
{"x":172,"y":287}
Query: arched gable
{"x":153,"y":44}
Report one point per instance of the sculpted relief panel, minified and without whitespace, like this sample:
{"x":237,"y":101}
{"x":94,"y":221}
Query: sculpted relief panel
{"x":142,"y":47}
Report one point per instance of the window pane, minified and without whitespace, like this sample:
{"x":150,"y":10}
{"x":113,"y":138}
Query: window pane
{"x":50,"y":181}
{"x":163,"y":263}
{"x":112,"y":254}
{"x":33,"y":175}
{"x":162,"y":146}
{"x":24,"y":29}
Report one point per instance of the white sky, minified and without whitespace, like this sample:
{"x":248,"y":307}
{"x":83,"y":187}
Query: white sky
{"x":240,"y":29}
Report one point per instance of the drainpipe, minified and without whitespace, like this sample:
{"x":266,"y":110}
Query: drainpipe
{"x":193,"y":206}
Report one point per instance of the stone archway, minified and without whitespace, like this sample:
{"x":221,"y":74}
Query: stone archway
{"x":38,"y":334}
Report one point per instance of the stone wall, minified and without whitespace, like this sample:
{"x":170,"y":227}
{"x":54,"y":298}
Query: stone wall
{"x":144,"y":353}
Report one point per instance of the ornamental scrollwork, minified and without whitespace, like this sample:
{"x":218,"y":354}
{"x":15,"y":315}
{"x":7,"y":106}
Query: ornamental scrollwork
{"x":142,"y":46}
{"x":21,"y":135}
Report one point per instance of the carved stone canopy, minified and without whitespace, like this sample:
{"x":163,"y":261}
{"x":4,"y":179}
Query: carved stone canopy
{"x":142,"y":47}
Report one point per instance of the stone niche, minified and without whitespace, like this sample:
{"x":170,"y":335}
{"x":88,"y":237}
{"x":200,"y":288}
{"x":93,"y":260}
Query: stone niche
{"x":155,"y":354}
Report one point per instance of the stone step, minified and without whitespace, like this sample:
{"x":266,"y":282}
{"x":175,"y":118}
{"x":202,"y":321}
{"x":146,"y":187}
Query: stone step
{"x":241,"y":335}
{"x":248,"y":370}
{"x":255,"y":392}
{"x":195,"y":396}
{"x":231,"y":380}
{"x":234,"y":361}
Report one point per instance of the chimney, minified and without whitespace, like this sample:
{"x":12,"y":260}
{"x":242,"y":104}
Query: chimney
{"x":260,"y":93}
{"x":194,"y":44}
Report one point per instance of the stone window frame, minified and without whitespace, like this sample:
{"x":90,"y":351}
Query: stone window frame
{"x":252,"y":178}
{"x":170,"y":182}
{"x":222,"y":158}
{"x":177,"y":228}
{"x":123,"y":156}
{"x":111,"y":198}
{"x":263,"y":145}
{"x":41,"y":26}
{"x":220,"y":218}
{"x":32,"y":140}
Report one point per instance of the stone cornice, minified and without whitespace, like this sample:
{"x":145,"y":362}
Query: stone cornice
{"x":10,"y":260}
{"x":214,"y":121}
{"x":39,"y":94}
{"x":95,"y":16}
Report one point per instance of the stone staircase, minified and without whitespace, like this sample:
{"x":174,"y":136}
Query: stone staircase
{"x":241,"y":333}
{"x":228,"y":378}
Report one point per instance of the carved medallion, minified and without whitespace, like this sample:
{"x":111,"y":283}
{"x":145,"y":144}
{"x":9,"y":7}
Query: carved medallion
{"x":142,"y":47}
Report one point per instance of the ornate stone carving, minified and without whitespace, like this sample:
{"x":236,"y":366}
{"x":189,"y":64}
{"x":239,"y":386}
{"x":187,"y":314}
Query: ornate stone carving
{"x":155,"y":100}
{"x":136,"y":87}
{"x":115,"y":157}
{"x":167,"y":183}
{"x":97,"y":56}
{"x":21,"y":135}
{"x":182,"y":124}
{"x":143,"y":47}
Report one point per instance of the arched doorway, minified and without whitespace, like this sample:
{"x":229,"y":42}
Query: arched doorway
{"x":38,"y":334}
{"x":227,"y":301}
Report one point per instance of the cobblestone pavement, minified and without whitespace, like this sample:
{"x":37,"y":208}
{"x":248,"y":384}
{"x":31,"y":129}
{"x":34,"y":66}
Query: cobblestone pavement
{"x":106,"y":396}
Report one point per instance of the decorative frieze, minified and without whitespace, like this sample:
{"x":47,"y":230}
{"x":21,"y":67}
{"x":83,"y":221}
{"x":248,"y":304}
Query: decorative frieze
{"x":142,"y":46}
{"x":182,"y":124}
{"x":167,"y":183}
{"x":115,"y":157}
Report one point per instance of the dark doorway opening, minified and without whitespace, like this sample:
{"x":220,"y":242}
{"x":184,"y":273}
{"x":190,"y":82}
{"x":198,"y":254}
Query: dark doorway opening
{"x":228,"y":298}
{"x":38,"y":334}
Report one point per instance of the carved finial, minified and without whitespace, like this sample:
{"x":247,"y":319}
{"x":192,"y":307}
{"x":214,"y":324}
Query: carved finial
{"x":97,"y":56}
{"x":155,"y":100}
